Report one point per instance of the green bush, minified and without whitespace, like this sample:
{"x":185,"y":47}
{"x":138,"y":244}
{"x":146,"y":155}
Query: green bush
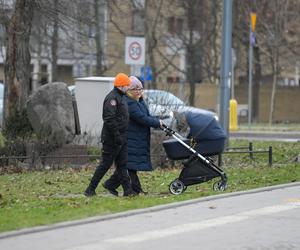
{"x":2,"y":140}
{"x":93,"y":151}
{"x":17,"y":125}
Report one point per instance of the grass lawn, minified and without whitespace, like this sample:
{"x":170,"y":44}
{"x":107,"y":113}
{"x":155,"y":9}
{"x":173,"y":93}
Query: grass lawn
{"x":31,"y":198}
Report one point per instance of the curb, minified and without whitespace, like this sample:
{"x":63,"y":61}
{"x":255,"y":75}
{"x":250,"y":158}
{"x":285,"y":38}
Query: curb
{"x":140,"y":211}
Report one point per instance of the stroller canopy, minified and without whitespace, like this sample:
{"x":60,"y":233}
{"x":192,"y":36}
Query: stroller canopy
{"x":207,"y":132}
{"x":204,"y":127}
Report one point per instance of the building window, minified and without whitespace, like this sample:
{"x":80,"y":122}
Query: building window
{"x":175,"y":25}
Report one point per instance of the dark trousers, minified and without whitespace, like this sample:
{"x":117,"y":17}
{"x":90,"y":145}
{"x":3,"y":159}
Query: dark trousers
{"x":114,"y":182}
{"x":111,"y":154}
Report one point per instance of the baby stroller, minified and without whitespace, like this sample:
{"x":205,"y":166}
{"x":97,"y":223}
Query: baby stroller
{"x":198,"y":168}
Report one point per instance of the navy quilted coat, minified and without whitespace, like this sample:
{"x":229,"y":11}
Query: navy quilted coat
{"x":138,"y":136}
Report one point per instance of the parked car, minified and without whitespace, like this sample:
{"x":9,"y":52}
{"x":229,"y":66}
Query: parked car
{"x":72,"y":89}
{"x":163,"y":104}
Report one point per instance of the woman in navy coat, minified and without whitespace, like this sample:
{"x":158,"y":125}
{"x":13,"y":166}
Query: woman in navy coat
{"x":138,"y":138}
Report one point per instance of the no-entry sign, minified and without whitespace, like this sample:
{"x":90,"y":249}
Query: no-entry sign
{"x":135,"y":50}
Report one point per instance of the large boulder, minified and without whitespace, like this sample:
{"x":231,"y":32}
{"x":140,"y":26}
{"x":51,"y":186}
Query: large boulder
{"x":51,"y":113}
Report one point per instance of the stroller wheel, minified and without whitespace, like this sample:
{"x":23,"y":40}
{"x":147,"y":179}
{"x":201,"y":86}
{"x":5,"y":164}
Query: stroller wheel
{"x":220,"y":186}
{"x":177,"y":187}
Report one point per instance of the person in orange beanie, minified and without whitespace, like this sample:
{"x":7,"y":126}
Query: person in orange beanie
{"x":138,"y":138}
{"x":114,"y":137}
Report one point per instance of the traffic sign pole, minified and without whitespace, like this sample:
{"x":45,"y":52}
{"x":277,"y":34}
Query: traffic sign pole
{"x":251,"y":44}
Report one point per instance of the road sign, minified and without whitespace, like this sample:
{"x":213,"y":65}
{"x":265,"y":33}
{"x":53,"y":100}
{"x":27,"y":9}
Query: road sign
{"x":146,"y":73}
{"x":253,"y":21}
{"x":135,"y":50}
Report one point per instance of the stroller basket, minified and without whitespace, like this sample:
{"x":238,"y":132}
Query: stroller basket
{"x":177,"y":151}
{"x":197,"y":169}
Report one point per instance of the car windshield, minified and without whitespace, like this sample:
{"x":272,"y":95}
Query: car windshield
{"x":162,"y":98}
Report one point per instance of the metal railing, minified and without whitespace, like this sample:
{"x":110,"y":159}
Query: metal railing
{"x":247,"y":150}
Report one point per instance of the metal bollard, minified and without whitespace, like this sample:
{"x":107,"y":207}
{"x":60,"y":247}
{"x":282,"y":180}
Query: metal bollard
{"x":270,"y":156}
{"x":233,"y":123}
{"x":251,"y":150}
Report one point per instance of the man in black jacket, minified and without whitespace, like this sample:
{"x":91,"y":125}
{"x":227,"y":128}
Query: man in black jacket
{"x":114,"y":137}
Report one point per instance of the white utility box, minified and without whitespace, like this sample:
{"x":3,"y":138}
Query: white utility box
{"x":90,"y":93}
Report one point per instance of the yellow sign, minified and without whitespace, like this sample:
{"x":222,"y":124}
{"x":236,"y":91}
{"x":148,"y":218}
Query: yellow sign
{"x":253,"y":21}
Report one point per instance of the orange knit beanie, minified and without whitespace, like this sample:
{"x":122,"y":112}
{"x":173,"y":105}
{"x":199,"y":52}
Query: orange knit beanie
{"x":122,"y":80}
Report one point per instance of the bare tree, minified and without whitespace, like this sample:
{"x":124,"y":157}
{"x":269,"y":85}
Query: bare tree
{"x":151,"y":35}
{"x":279,"y":18}
{"x":199,"y":29}
{"x":276,"y":24}
{"x":17,"y":61}
{"x":147,"y":20}
{"x":211,"y":48}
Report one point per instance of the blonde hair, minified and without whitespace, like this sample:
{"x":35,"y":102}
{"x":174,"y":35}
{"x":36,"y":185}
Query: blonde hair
{"x":130,"y":95}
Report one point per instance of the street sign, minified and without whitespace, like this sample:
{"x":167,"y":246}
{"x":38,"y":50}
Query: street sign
{"x":253,"y":21}
{"x":135,"y":50}
{"x":146,"y":73}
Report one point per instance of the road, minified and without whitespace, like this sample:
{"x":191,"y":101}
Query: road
{"x":266,"y":136}
{"x":256,"y":219}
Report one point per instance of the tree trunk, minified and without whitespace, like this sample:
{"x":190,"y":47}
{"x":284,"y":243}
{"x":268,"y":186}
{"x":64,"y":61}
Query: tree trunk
{"x":99,"y":52}
{"x":150,"y":43}
{"x":191,"y":51}
{"x":17,"y":63}
{"x":54,"y":43}
{"x":273,"y":94}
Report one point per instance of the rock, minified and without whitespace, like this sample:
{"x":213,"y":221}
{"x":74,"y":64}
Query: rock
{"x":51,"y":114}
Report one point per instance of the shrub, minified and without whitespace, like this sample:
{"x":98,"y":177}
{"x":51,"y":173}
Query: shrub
{"x":17,"y":125}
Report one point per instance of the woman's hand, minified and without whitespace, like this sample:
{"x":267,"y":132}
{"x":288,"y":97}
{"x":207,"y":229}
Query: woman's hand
{"x":162,"y":125}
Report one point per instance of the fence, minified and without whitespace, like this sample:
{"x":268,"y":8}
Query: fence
{"x":80,"y":158}
{"x":247,"y":150}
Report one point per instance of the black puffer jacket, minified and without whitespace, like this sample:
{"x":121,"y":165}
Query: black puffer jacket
{"x":115,"y":118}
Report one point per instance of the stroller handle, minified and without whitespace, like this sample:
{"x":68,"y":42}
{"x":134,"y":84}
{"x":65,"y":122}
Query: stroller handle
{"x":167,"y":130}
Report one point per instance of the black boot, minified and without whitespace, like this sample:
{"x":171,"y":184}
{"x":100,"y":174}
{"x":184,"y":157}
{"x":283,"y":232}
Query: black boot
{"x":128,"y":191}
{"x":89,"y":192}
{"x":125,"y":182}
{"x":110,"y":190}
